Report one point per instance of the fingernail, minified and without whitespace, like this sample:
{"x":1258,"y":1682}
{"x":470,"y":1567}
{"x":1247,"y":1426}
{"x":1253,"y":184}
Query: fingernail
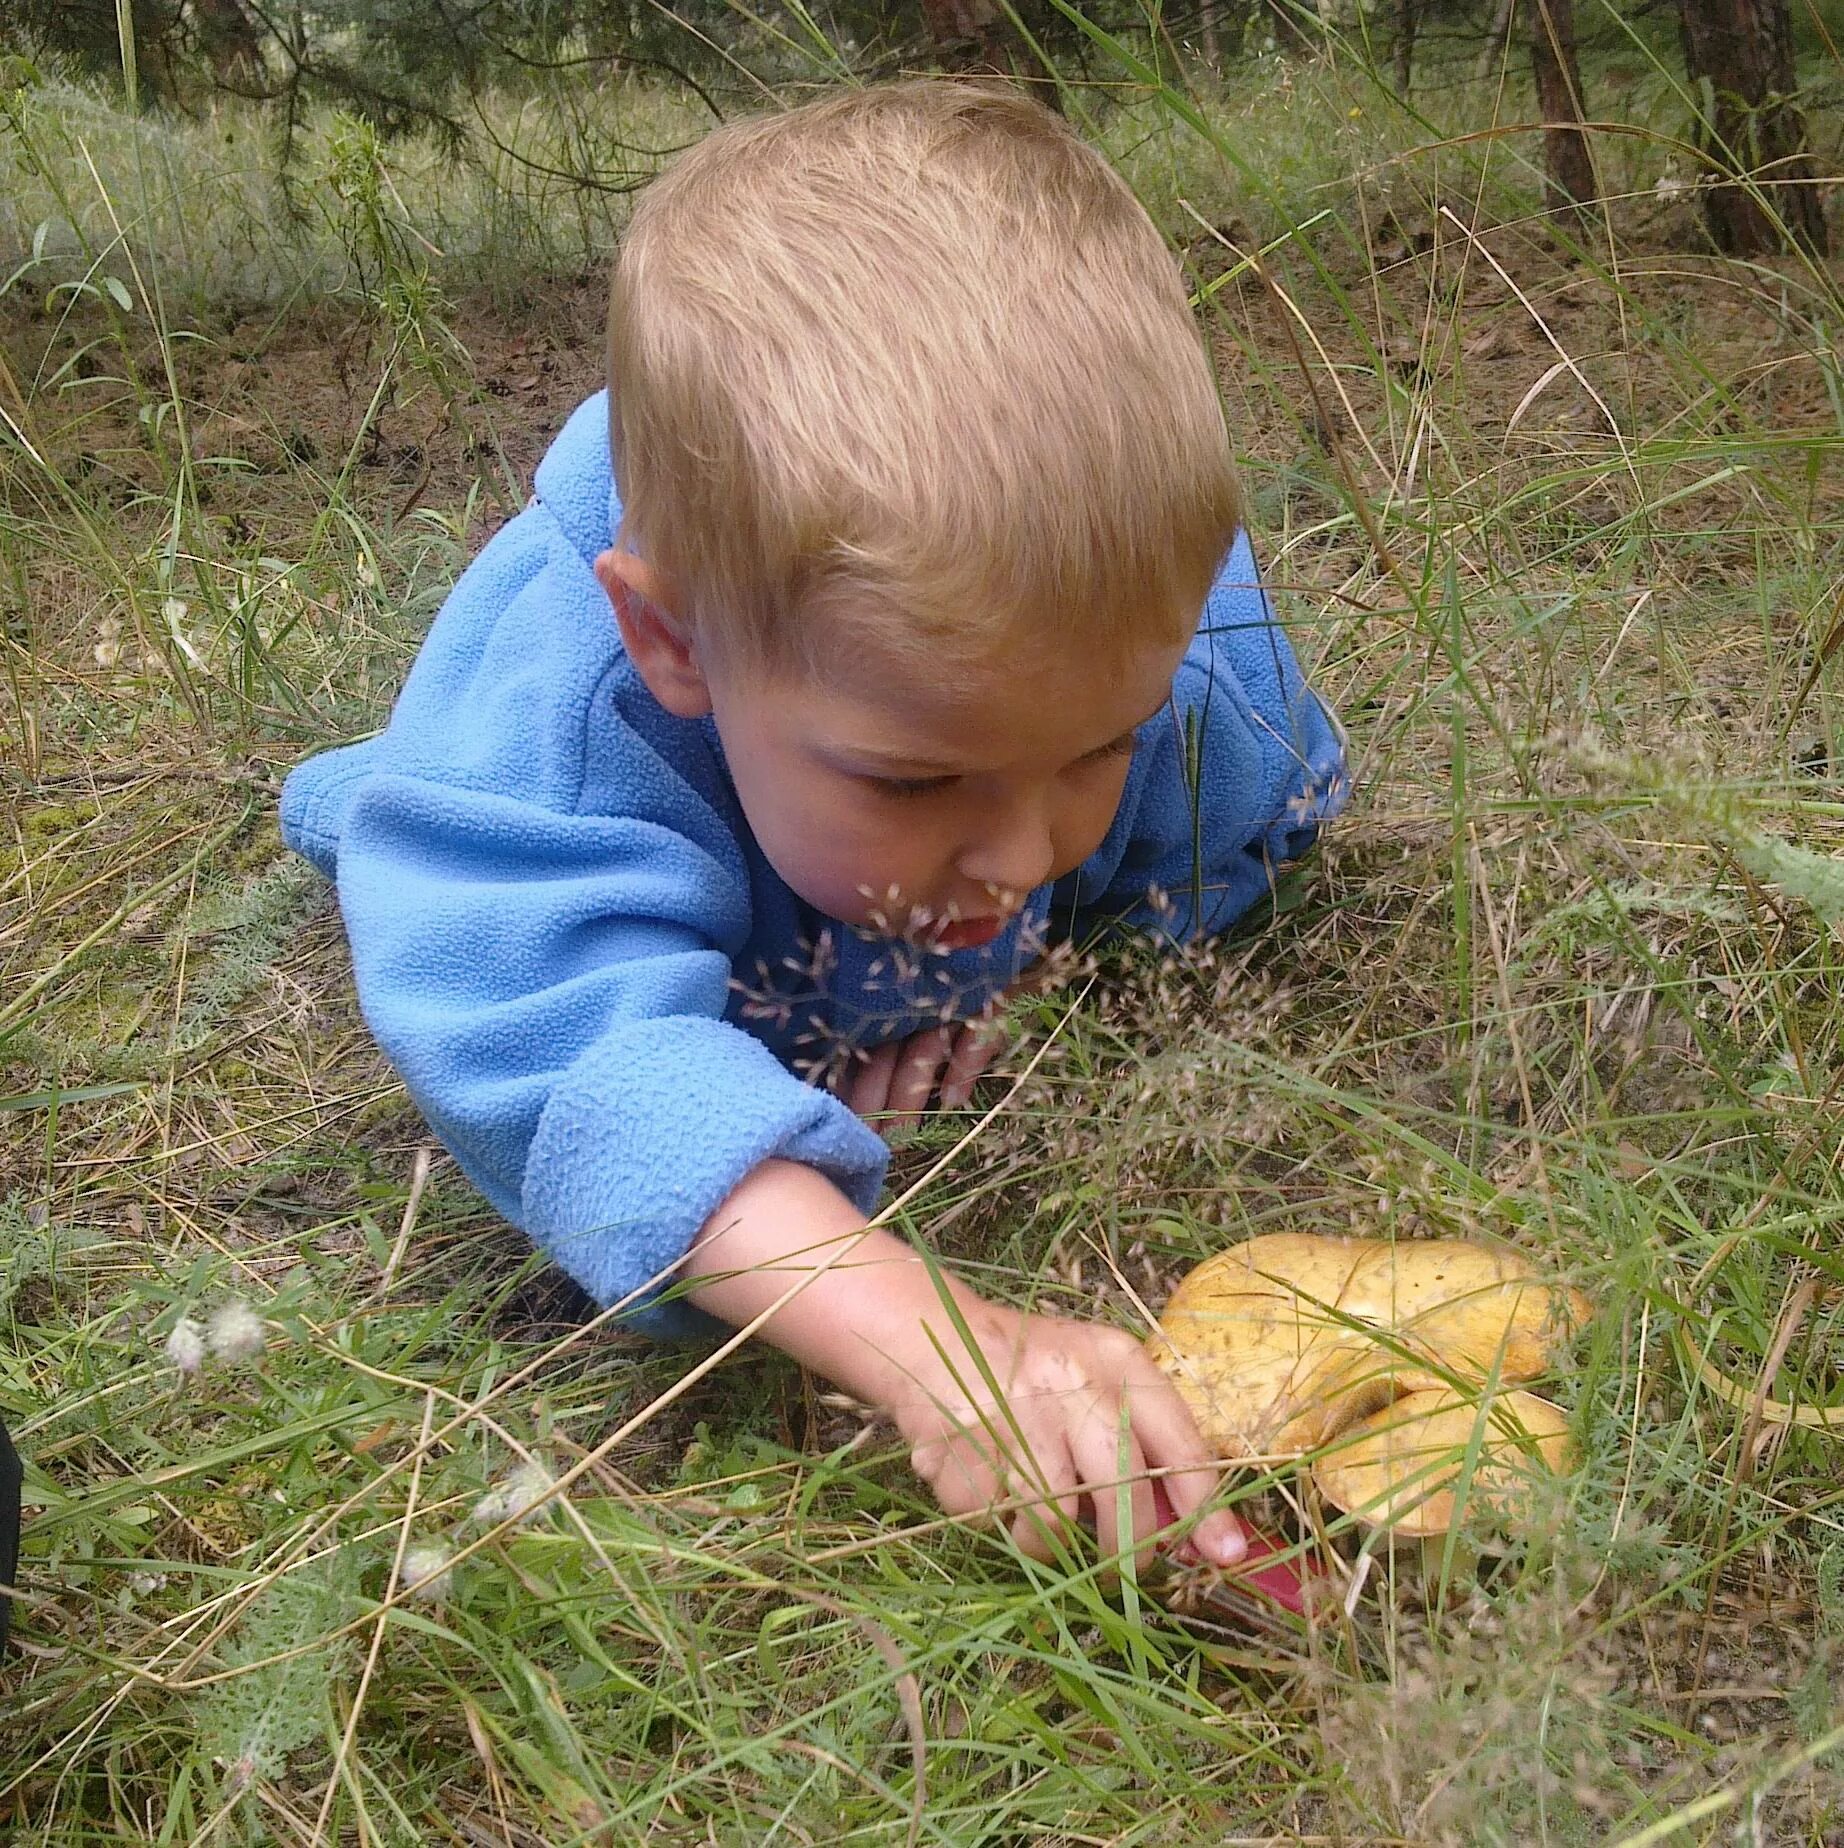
{"x":1221,"y":1541}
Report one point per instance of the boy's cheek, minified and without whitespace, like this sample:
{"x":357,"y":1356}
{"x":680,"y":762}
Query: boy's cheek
{"x":831,"y":853}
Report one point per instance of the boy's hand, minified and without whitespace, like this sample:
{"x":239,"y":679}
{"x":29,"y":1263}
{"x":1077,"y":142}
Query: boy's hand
{"x":1085,"y":1416}
{"x":1079,"y":1408}
{"x":890,"y":1087}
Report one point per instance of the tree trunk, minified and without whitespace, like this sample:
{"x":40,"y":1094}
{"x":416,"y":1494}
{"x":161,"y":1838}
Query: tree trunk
{"x":229,"y":40}
{"x":1291,"y":32}
{"x":1497,"y":36}
{"x":1207,"y":34}
{"x":1230,"y":23}
{"x":1408,"y":20}
{"x":1742,"y":50}
{"x":977,"y":36}
{"x":1567,"y":159}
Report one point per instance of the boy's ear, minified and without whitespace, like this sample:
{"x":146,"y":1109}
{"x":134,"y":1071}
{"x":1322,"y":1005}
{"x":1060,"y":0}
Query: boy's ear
{"x":657,"y":640}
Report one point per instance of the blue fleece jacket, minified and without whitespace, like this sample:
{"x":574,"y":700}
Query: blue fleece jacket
{"x":594,"y":986}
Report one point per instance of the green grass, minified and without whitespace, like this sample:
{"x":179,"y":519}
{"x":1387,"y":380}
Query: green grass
{"x":1567,"y":975}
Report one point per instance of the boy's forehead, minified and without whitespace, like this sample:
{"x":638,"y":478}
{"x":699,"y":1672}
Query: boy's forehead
{"x":966,"y":678}
{"x":1062,"y":705}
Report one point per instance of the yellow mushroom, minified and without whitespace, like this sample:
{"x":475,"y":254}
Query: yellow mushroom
{"x":1407,"y":1466}
{"x":1285,"y":1342}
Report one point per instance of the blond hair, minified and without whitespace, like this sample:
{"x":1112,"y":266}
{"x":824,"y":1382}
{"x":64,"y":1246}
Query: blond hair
{"x":913,"y":357}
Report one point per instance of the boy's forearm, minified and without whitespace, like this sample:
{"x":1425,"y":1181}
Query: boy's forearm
{"x":862,"y":1319}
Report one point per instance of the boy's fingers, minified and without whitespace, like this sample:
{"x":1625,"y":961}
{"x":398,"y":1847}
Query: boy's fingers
{"x":1106,"y":1464}
{"x":959,"y":1476}
{"x":975,"y":1048}
{"x":1166,"y":1430}
{"x":1219,"y":1538}
{"x":1038,"y":1530}
{"x":912,"y":1078}
{"x":869,"y":1080}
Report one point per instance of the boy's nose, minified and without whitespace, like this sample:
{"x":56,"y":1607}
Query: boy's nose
{"x":1016,"y":855}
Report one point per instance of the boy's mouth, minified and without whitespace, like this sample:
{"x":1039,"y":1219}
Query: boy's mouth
{"x":967,"y":933}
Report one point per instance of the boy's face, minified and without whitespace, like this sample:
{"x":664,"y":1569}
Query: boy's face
{"x":906,"y":807}
{"x":918,"y":811}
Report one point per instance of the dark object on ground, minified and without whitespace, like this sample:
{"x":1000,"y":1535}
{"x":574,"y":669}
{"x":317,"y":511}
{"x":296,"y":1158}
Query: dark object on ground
{"x":11,"y":1476}
{"x":1270,"y":1576}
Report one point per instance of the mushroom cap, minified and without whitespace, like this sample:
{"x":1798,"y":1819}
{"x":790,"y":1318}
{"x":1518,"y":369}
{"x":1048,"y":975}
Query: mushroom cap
{"x":1281,"y":1342}
{"x":1412,"y":1465}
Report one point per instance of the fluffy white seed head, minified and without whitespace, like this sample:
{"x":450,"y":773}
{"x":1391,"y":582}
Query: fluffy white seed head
{"x":515,"y":1497}
{"x":429,"y":1564}
{"x":185,"y":1346}
{"x":236,"y":1332}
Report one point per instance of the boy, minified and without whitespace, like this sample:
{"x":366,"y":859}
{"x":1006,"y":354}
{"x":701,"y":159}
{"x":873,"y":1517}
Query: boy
{"x":877,"y":660}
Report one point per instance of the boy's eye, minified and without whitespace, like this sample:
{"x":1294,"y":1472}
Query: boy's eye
{"x":1120,"y":747}
{"x":930,"y":785}
{"x":908,"y":785}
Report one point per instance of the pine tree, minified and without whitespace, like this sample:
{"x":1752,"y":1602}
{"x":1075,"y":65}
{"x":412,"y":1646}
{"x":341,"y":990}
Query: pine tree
{"x":1739,"y":54}
{"x":1567,"y":159}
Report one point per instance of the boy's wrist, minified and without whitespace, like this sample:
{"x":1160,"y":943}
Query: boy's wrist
{"x":868,"y":1313}
{"x":920,"y":1358}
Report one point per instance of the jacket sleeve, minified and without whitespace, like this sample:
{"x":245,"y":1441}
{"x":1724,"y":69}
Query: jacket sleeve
{"x":1230,"y":780}
{"x":550,"y":983}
